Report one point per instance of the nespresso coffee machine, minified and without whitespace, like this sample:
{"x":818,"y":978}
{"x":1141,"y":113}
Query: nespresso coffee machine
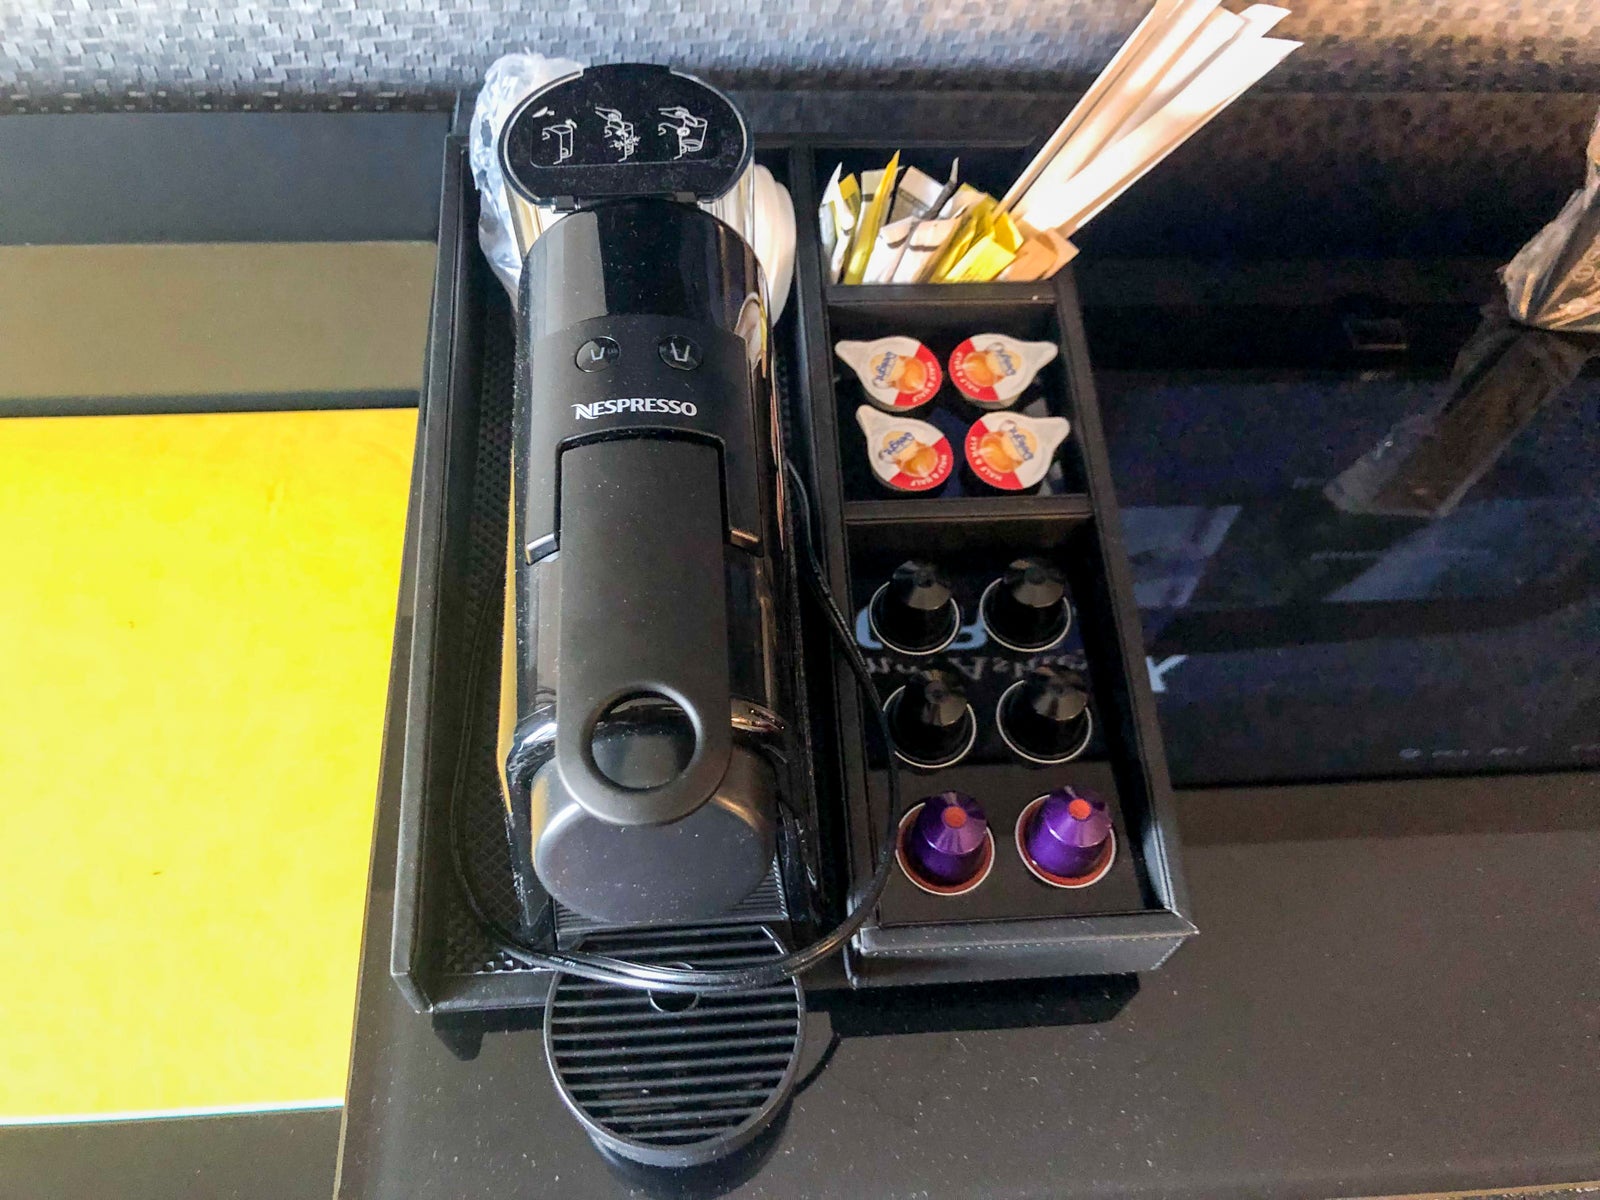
{"x":648,"y":686}
{"x":649,"y":738}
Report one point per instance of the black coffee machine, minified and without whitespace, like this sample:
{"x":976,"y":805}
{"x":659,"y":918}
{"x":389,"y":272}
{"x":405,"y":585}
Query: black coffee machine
{"x":648,"y":680}
{"x":653,"y":759}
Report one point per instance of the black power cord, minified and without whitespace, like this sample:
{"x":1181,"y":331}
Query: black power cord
{"x":605,"y":969}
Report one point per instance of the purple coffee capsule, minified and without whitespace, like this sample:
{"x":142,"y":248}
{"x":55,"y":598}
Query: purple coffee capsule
{"x":945,"y":844}
{"x":1066,"y":837}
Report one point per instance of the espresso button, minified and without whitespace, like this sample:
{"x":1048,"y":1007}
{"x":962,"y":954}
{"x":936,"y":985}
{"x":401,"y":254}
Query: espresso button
{"x":597,"y":354}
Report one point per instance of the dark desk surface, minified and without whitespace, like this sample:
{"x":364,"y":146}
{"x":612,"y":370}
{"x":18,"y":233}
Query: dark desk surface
{"x":1395,"y":991}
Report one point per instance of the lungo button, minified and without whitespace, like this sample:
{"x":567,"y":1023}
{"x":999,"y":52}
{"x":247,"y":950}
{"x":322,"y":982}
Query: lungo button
{"x":679,"y":352}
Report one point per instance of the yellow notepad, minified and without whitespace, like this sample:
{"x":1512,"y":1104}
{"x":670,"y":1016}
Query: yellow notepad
{"x":196,"y":615}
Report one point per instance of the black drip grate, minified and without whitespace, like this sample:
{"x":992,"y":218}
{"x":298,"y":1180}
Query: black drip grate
{"x":675,"y":1080}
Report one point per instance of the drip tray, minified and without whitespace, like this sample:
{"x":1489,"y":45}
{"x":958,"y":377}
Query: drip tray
{"x":674,"y":1079}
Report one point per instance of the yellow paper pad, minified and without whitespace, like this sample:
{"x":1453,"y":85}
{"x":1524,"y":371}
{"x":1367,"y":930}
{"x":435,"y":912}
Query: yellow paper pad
{"x":196,"y":615}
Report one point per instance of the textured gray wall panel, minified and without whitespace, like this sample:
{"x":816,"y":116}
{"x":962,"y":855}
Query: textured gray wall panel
{"x":58,"y":54}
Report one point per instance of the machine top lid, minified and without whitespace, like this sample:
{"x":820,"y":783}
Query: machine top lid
{"x":629,"y":129}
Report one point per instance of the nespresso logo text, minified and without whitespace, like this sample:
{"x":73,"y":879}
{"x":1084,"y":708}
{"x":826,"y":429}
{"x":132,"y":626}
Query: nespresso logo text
{"x":634,"y":404}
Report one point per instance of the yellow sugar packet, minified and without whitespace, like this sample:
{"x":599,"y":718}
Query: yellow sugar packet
{"x":1043,"y":253}
{"x":836,"y":217}
{"x":976,"y":219}
{"x":855,"y":262}
{"x":991,"y":251}
{"x":932,"y":235}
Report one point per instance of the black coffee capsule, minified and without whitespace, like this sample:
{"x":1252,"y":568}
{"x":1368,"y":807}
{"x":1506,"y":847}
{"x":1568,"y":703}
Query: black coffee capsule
{"x":1027,"y":607}
{"x":930,"y":719}
{"x":1044,"y":716}
{"x":915,"y":612}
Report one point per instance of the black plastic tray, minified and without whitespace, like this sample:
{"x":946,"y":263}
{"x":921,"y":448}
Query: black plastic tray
{"x":454,"y":901}
{"x":444,"y":954}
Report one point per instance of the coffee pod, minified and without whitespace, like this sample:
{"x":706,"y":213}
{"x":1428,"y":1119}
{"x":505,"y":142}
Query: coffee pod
{"x":1066,"y":838}
{"x":992,"y":370}
{"x":915,"y":612}
{"x":1044,"y":716}
{"x":906,"y":454}
{"x":1012,"y":452}
{"x":930,"y":720}
{"x":1027,"y":609}
{"x":897,"y":373}
{"x":945,"y":844}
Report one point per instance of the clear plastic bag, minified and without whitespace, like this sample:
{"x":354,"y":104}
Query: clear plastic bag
{"x":1503,"y":378}
{"x":760,"y":209}
{"x":508,"y":80}
{"x":1554,"y":281}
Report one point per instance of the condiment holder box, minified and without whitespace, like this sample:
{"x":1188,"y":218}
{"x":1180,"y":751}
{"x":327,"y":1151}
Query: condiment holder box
{"x":1013,"y":924}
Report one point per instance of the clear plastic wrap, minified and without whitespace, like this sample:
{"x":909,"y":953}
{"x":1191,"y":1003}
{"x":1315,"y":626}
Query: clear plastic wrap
{"x":1526,"y":351}
{"x":1503,"y":377}
{"x":508,"y":79}
{"x":759,"y":207}
{"x":1554,"y":281}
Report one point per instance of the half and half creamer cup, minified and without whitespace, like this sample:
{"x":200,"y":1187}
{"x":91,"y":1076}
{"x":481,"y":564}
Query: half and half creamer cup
{"x":906,"y":454}
{"x":992,"y":370}
{"x":1012,"y":452}
{"x":898,"y":373}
